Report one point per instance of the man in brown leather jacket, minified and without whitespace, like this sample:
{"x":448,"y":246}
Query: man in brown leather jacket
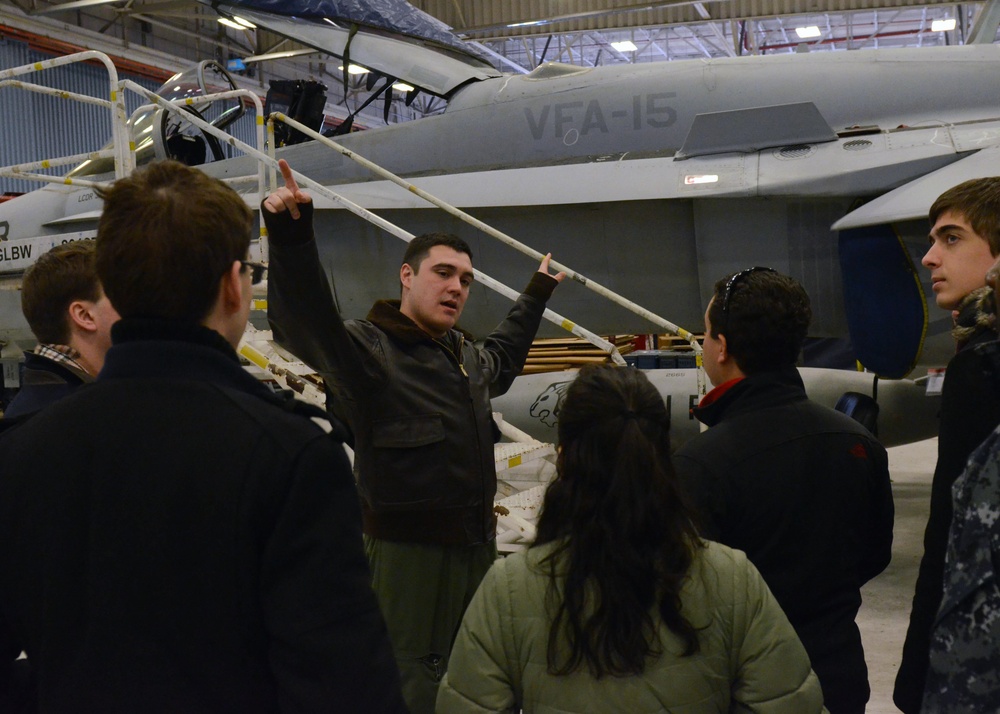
{"x":415,"y":393}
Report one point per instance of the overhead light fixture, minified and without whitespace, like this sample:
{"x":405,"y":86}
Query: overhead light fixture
{"x":943,"y":25}
{"x":402,"y":87}
{"x":526,"y":24}
{"x":624,"y":46}
{"x":354,"y":69}
{"x":807,"y":32}
{"x":245,"y":23}
{"x":231,"y":23}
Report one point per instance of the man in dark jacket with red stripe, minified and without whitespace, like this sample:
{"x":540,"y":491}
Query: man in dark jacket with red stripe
{"x":802,"y":489}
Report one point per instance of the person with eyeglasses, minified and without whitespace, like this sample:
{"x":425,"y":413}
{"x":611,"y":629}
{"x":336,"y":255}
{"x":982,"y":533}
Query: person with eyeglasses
{"x":802,"y":489}
{"x":193,"y":541}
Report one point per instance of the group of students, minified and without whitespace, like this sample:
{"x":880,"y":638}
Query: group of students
{"x":198,"y":542}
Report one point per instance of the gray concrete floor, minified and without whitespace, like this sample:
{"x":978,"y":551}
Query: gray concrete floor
{"x":885,"y":611}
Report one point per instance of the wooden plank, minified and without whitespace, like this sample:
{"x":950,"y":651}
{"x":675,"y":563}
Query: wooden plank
{"x":565,"y":360}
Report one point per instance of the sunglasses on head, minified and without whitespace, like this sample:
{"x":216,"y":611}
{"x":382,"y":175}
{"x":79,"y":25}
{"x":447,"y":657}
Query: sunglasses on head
{"x":727,"y":293}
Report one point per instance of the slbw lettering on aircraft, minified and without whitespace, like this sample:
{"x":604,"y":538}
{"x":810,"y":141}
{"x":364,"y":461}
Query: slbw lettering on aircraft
{"x":563,"y":119}
{"x":14,"y":252}
{"x":17,"y":255}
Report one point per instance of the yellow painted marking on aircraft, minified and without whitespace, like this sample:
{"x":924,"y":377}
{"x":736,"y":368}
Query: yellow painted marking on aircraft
{"x":39,"y":65}
{"x":45,"y":164}
{"x":258,"y":304}
{"x":254,"y":356}
{"x":114,"y":95}
{"x":260,"y":120}
{"x":568,"y":325}
{"x":512,"y":462}
{"x":68,"y":182}
{"x":189,"y":101}
{"x":131,"y":146}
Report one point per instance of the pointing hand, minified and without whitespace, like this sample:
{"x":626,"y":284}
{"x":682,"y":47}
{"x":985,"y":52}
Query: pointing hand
{"x":544,"y":269}
{"x":288,"y":197}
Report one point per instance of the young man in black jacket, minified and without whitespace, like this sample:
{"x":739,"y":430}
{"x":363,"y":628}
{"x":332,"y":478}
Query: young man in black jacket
{"x":802,"y":489}
{"x":194,"y":542}
{"x":71,"y":318}
{"x":416,"y":395}
{"x":964,"y":243}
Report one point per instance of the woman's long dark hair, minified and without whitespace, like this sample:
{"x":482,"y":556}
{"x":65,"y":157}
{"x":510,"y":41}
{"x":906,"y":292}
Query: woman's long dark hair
{"x":625,"y":539}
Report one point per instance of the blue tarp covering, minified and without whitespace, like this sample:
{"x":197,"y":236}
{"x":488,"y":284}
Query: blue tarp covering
{"x":885,"y":305}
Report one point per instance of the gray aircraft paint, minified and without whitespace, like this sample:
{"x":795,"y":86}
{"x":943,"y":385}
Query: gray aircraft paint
{"x":584,"y":162}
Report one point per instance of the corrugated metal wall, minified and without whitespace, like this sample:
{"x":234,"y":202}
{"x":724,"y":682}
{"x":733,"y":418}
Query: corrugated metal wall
{"x":35,"y":126}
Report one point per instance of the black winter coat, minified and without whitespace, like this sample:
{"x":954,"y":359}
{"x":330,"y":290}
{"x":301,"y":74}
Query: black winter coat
{"x":804,"y":491}
{"x":43,"y":382}
{"x":970,"y":411}
{"x":177,"y":538}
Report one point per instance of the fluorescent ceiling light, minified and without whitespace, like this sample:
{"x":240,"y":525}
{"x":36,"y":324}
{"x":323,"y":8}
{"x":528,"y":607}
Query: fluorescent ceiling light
{"x":526,"y":24}
{"x":245,"y":23}
{"x":943,"y":25}
{"x":354,"y":69}
{"x":807,"y":32}
{"x":230,"y":23}
{"x":402,"y":87}
{"x":624,"y":46}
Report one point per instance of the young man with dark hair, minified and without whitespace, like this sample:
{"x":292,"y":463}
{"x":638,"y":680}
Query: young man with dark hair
{"x":415,"y":393}
{"x":802,"y":489}
{"x":71,"y":318}
{"x":194,"y":544}
{"x":964,"y":243}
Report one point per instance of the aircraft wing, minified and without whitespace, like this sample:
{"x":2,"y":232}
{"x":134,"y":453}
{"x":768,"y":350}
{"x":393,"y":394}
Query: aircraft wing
{"x":912,"y":200}
{"x":88,"y":217}
{"x":388,"y":36}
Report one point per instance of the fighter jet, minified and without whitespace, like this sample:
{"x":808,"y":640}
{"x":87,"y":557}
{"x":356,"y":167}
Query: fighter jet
{"x":655,"y":180}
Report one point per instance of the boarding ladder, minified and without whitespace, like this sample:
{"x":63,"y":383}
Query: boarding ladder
{"x":521,"y":493}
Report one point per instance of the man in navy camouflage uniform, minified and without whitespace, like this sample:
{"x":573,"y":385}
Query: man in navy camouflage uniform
{"x":964,"y":677}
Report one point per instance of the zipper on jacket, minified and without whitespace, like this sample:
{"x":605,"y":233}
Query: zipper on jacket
{"x":479,"y":442}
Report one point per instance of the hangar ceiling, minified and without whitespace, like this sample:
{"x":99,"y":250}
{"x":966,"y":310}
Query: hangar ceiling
{"x":517,"y":34}
{"x":527,"y":32}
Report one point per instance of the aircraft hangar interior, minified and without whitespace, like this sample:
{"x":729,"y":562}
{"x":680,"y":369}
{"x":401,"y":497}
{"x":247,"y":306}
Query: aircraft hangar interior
{"x":652,"y":147}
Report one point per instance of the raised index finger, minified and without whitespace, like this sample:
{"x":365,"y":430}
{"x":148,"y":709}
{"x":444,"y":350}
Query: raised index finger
{"x":286,"y":173}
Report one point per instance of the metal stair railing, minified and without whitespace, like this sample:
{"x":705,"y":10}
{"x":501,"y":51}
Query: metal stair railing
{"x":120,"y":151}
